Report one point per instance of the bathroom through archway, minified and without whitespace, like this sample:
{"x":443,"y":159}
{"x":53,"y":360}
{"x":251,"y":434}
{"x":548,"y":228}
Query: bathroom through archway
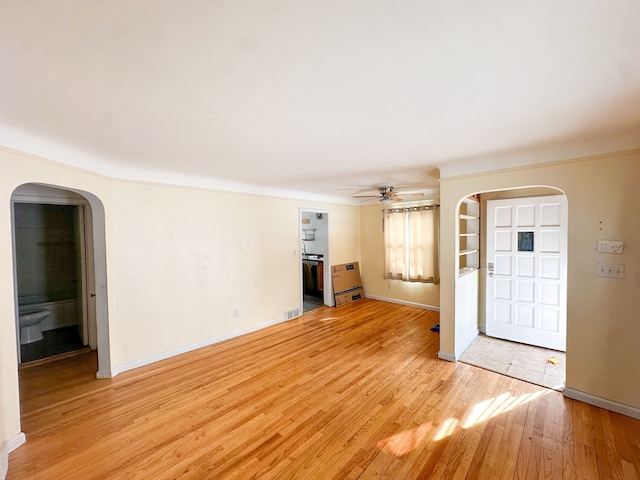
{"x":59,"y":264}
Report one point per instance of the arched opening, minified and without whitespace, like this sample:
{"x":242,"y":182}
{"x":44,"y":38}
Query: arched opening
{"x":60,"y":268}
{"x":525,"y":296}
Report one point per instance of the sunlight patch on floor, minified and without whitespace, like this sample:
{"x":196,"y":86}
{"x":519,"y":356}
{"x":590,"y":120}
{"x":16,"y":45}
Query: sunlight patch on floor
{"x":404,"y":442}
{"x":408,"y":440}
{"x":495,"y":406}
{"x":447,"y":428}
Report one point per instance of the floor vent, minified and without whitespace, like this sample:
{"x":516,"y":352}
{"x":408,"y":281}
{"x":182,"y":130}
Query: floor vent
{"x":293,"y":313}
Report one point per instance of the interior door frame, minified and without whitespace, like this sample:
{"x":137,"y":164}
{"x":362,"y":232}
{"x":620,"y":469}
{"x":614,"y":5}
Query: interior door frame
{"x":328,"y":286}
{"x":564,"y":256}
{"x":89,"y":323}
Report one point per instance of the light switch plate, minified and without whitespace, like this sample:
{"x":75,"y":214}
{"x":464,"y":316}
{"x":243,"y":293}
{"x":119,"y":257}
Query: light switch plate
{"x":609,"y":270}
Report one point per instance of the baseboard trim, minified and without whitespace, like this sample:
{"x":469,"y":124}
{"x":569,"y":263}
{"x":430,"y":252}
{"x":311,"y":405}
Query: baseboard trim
{"x":449,"y":357}
{"x":16,"y":441}
{"x":211,"y":341}
{"x":466,"y":344}
{"x":403,"y":302}
{"x":188,"y":348}
{"x":621,"y":408}
{"x":8,"y":447}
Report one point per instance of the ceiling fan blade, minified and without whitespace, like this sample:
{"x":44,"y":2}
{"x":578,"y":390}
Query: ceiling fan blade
{"x":388,"y":193}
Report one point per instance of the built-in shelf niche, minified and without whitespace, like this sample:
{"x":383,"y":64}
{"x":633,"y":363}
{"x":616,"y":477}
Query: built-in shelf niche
{"x":469,"y":235}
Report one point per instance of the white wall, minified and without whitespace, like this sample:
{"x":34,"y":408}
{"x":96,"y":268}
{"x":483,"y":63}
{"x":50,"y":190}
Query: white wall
{"x":603,"y":332}
{"x":179,"y":262}
{"x":317,"y":245}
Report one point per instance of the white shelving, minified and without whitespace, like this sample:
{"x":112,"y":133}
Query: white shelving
{"x":469,"y":236}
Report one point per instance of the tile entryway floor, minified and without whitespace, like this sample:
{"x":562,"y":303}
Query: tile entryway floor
{"x":524,"y":362}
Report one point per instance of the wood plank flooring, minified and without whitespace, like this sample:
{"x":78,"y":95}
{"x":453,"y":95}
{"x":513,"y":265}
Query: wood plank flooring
{"x":339,"y":393}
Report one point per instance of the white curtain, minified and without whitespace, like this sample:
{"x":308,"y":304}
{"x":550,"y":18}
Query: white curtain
{"x":411,"y":244}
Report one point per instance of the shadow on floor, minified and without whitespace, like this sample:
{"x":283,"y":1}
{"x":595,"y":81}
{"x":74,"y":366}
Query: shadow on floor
{"x":537,"y":365}
{"x":55,"y":342}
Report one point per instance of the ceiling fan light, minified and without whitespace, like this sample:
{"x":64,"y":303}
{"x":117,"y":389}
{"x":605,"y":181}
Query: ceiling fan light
{"x":386,"y":200}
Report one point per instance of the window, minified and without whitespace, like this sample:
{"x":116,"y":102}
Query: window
{"x":411,"y":238}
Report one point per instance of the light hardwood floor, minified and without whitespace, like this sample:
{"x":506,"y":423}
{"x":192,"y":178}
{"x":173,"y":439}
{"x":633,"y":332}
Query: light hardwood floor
{"x":344,"y":393}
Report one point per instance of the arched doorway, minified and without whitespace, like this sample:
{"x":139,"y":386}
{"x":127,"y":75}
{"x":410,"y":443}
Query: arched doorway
{"x":522,"y":290}
{"x":87,"y":293}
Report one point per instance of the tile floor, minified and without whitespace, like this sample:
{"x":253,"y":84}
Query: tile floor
{"x":55,"y":342}
{"x":524,"y":362}
{"x":311,"y":302}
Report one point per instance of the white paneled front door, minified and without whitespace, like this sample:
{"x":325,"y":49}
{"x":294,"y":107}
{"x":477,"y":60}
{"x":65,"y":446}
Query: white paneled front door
{"x":527,"y":270}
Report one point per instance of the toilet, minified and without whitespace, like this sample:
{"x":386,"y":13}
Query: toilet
{"x":30,"y":326}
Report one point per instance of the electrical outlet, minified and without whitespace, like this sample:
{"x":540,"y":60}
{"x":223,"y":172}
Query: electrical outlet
{"x":236,"y":312}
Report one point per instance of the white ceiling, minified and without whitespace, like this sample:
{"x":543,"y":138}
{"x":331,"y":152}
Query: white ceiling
{"x":320,"y":97}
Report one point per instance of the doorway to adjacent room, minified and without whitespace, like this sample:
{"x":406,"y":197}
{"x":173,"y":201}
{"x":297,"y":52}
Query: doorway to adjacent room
{"x":59,"y":267}
{"x":314,"y":259}
{"x":521,"y":286}
{"x":51,"y":278}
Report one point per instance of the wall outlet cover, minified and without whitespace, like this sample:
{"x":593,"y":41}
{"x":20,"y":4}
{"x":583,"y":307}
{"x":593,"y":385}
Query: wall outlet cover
{"x":609,"y":270}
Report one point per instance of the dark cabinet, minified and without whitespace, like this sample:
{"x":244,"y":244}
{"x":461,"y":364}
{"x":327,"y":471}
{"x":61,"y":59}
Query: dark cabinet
{"x":313,"y":276}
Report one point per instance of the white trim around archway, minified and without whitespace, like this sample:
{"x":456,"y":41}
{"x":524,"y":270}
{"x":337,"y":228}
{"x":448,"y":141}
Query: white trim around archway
{"x":96,"y":257}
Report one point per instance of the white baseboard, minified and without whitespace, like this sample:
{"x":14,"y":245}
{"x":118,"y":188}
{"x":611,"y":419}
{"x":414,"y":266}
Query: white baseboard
{"x":466,"y":344}
{"x":453,"y":357}
{"x":8,"y":447}
{"x":621,"y":408}
{"x":187,"y":348}
{"x":4,"y":461}
{"x":16,"y":441}
{"x":403,"y":302}
{"x":449,"y":357}
{"x":205,"y":343}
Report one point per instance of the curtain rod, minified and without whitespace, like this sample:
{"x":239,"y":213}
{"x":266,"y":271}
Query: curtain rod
{"x":412,"y":209}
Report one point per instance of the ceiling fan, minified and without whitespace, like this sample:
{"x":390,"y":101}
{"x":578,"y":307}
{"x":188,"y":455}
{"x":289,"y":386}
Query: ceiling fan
{"x":387,"y":194}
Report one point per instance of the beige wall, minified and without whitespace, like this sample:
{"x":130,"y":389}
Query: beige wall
{"x":16,"y":170}
{"x":372,"y":268}
{"x":603,"y":332}
{"x":179,"y":261}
